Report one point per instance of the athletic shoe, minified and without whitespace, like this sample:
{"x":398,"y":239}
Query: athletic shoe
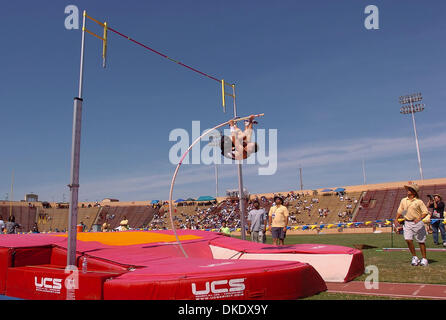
{"x":415,"y":261}
{"x":424,"y":262}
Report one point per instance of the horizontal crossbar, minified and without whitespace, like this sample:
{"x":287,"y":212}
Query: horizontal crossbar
{"x":93,"y":34}
{"x":93,"y":19}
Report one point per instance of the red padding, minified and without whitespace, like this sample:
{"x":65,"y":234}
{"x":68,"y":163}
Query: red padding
{"x":356,"y":267}
{"x":94,"y":264}
{"x":59,"y":256}
{"x":254,"y":247}
{"x":269,"y":281}
{"x":47,"y":282}
{"x":31,"y":256}
{"x":5,"y":262}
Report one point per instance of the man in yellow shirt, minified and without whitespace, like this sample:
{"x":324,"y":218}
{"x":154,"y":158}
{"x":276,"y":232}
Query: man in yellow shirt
{"x":413,"y":211}
{"x":278,"y":220}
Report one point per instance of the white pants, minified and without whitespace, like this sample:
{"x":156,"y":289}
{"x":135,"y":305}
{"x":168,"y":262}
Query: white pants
{"x":417,"y":230}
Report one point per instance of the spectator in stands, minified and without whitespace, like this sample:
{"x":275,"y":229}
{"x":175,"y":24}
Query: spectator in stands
{"x":35,"y":228}
{"x":278,"y":220}
{"x":256,"y":219}
{"x":413,"y":211}
{"x":225,"y":230}
{"x":2,"y":224}
{"x":105,"y":227}
{"x":437,"y":205}
{"x":11,"y":225}
{"x":84,"y":227}
{"x":124,"y":224}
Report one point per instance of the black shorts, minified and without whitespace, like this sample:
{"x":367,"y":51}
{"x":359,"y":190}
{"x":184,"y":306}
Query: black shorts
{"x":228,"y":148}
{"x":278,"y":233}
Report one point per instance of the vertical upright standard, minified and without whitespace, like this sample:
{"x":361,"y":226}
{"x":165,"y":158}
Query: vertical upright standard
{"x":75,"y":160}
{"x":239,"y":164}
{"x":76,"y":141}
{"x":301,"y":182}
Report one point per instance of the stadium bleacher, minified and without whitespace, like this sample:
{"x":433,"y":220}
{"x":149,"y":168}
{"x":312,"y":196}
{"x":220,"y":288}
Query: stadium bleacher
{"x":359,"y":204}
{"x":333,"y":202}
{"x":137,"y":216}
{"x":24,"y":214}
{"x":182,"y":212}
{"x":383,"y":204}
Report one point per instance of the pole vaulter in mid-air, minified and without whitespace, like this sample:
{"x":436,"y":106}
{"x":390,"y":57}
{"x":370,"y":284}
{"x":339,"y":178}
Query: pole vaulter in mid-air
{"x":239,"y":137}
{"x":239,"y":146}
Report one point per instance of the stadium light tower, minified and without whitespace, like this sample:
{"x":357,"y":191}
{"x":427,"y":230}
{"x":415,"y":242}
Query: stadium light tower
{"x":410,"y":108}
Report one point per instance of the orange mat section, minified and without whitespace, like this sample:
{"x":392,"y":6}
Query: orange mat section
{"x":126,"y":238}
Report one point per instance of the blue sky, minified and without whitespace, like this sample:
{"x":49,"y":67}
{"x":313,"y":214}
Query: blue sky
{"x":329,"y":86}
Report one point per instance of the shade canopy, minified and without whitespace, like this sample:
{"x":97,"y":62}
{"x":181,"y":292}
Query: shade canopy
{"x":206,"y":198}
{"x":326,"y":190}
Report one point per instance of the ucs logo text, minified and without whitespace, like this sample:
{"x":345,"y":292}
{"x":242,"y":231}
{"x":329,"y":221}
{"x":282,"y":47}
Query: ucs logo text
{"x":48,"y":284}
{"x":220,"y":286}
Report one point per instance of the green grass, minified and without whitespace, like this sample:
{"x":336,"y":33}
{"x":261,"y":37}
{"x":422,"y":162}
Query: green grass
{"x":393,"y":266}
{"x":342,"y":296}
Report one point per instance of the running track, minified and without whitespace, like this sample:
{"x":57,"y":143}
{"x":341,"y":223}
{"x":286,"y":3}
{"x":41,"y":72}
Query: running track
{"x":387,"y":289}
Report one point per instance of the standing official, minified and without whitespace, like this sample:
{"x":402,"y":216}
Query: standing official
{"x":256,"y":223}
{"x":413,"y":211}
{"x":278,"y":220}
